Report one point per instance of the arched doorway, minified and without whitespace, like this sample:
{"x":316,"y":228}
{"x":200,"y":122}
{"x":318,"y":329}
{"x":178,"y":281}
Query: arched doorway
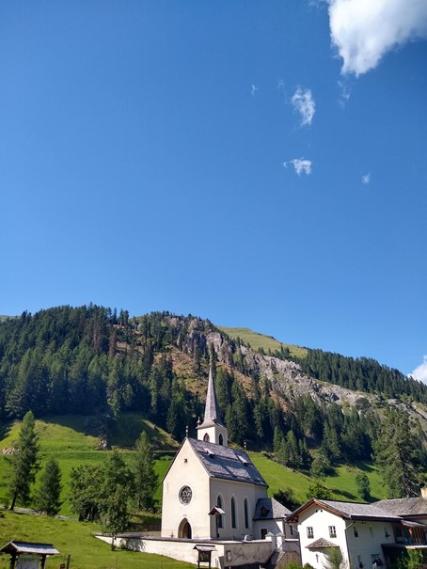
{"x":184,"y":530}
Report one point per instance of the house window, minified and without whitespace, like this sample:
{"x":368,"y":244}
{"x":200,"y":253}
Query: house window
{"x":206,"y":438}
{"x":245,"y":505}
{"x":386,"y":534}
{"x":355,"y":531}
{"x":332,"y":531}
{"x":233,"y":513}
{"x":219,"y":516}
{"x":291,"y":530}
{"x":310,"y":532}
{"x":220,"y":440}
{"x":359,"y":562}
{"x":263,"y":533}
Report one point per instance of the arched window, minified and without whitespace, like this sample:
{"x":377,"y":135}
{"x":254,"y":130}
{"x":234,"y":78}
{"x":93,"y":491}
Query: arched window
{"x":206,"y":438}
{"x":233,"y":513}
{"x":245,"y":504}
{"x":219,"y":516}
{"x":220,"y":439}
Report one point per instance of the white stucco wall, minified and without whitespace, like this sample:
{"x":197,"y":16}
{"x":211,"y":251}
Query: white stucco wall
{"x":320,"y":520}
{"x":355,"y":550}
{"x":368,"y":543}
{"x":213,"y":433}
{"x":239,"y":491}
{"x":226,"y":554}
{"x":186,"y":470}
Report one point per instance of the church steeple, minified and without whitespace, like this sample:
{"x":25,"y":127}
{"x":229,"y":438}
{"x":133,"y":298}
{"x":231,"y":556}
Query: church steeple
{"x":211,"y":407}
{"x":212,"y":430}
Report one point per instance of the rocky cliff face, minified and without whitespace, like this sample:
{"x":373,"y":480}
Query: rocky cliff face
{"x":285,"y":377}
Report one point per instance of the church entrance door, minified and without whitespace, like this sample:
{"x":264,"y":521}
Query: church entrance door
{"x":184,"y":530}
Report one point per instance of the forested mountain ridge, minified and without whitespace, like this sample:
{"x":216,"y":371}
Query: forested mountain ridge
{"x":92,"y":360}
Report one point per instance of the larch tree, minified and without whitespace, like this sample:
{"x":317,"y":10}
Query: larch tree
{"x":146,"y":478}
{"x":48,"y":497}
{"x":24,"y":462}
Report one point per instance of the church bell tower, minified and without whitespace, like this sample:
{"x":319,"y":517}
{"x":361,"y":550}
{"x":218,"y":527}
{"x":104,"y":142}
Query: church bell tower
{"x":212,"y":430}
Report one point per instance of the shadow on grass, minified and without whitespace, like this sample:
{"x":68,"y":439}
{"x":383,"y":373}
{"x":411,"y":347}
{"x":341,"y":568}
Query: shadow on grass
{"x":344,"y":494}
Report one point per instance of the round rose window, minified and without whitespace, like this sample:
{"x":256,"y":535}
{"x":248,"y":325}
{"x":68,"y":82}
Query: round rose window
{"x":185,"y":494}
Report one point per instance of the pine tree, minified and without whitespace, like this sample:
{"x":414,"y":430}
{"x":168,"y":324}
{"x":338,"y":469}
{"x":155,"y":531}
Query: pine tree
{"x":24,"y":462}
{"x":395,"y":452}
{"x":363,"y":486}
{"x":48,"y":498}
{"x":117,"y":488}
{"x":146,"y":478}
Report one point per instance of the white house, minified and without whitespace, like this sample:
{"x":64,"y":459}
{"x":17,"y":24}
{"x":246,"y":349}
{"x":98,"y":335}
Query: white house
{"x":369,"y":535}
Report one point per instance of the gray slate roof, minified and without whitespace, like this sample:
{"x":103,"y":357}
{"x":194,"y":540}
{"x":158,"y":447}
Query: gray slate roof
{"x":28,"y":547}
{"x":270,"y":509}
{"x":405,"y":507}
{"x":227,"y":463}
{"x":356,"y":511}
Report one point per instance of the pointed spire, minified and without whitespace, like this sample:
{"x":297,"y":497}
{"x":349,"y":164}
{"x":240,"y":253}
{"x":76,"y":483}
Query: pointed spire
{"x":211,"y":409}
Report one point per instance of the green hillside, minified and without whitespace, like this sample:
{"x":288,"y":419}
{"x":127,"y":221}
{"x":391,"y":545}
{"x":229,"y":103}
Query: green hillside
{"x":257,"y":341}
{"x":70,"y":441}
{"x":76,"y":539}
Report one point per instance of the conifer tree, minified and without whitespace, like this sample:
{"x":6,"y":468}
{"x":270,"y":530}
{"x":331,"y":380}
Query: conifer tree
{"x":48,"y":498}
{"x":395,"y":453}
{"x":146,"y":478}
{"x":24,"y":462}
{"x":363,"y":486}
{"x":117,"y":487}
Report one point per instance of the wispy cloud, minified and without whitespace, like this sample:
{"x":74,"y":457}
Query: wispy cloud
{"x":345,"y":93}
{"x":254,"y":90}
{"x":366,"y":179}
{"x":303,"y":102}
{"x":363,"y":31}
{"x":420,"y":372}
{"x":301,"y":165}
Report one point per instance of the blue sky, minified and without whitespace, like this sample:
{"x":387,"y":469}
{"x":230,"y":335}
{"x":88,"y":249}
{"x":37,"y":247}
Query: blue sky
{"x":212,"y":157}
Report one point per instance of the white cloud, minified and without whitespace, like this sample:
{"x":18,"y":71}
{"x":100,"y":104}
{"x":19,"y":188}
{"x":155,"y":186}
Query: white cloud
{"x":254,"y":89}
{"x":366,"y":178}
{"x":365,"y":30}
{"x":301,"y":165}
{"x":303,"y":102}
{"x":345,"y":93}
{"x":420,"y":372}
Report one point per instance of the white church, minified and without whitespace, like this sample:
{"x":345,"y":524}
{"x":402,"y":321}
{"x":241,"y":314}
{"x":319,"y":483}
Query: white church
{"x":213,"y":491}
{"x":215,"y":505}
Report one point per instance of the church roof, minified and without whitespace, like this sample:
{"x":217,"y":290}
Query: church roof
{"x":212,"y":415}
{"x":270,"y":509}
{"x":227,"y":463}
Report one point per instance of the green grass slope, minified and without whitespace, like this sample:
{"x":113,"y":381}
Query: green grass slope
{"x":69,"y":440}
{"x":76,"y":539}
{"x":342,"y":483}
{"x":257,"y":341}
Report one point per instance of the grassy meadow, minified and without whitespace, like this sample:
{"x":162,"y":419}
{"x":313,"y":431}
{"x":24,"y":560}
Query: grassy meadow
{"x":76,"y":539}
{"x":257,"y":341}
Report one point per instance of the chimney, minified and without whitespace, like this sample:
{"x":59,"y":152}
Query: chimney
{"x":424,"y":492}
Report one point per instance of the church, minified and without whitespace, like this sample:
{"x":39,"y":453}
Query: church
{"x":215,"y":505}
{"x":212,"y":491}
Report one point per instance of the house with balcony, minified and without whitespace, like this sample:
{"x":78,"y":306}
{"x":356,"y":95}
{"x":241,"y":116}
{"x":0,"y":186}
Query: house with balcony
{"x":370,"y":536}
